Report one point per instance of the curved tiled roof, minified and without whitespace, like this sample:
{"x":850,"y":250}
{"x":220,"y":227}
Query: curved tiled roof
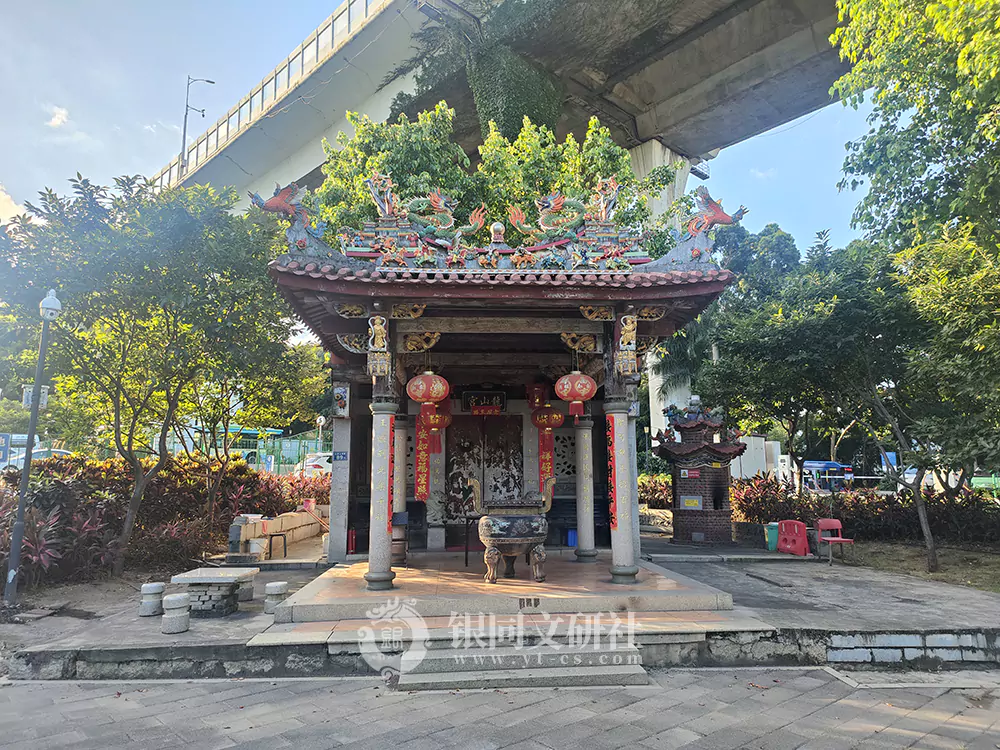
{"x":508,"y":277}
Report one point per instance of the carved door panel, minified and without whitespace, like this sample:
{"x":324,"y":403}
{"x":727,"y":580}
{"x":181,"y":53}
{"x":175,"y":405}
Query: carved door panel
{"x":487,"y":449}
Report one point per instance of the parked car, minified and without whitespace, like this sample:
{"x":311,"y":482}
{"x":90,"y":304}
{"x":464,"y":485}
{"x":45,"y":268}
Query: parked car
{"x":314,"y":464}
{"x":16,"y":460}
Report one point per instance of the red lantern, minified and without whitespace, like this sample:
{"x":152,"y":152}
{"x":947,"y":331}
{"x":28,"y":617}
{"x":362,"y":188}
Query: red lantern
{"x":546,"y":419}
{"x":427,"y":389}
{"x":536,"y":394}
{"x":436,"y":423}
{"x":576,"y":388}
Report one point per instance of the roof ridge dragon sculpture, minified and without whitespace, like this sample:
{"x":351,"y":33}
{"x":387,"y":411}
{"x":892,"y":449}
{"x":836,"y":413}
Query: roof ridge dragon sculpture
{"x":558,"y":218}
{"x":287,"y":201}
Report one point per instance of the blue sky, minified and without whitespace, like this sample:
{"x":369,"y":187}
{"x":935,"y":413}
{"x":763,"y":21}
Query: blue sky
{"x":98,"y":88}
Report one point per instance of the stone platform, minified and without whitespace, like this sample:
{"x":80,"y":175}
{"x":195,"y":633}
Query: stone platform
{"x":438,"y":584}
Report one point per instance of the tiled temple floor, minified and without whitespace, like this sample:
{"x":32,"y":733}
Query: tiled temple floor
{"x":439,"y":583}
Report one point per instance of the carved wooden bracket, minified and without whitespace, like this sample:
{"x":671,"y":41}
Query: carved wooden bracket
{"x":650,"y":313}
{"x":591,"y":312}
{"x":351,"y":311}
{"x":407,"y":311}
{"x":356,"y":343}
{"x":578,"y":342}
{"x":420,"y":342}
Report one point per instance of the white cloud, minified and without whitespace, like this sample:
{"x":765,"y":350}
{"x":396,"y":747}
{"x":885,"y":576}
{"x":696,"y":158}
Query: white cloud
{"x":60,"y":116}
{"x":8,"y":207}
{"x":767,"y":174}
{"x":160,"y":125}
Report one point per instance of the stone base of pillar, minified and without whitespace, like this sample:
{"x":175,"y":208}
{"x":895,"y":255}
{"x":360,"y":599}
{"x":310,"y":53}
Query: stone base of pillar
{"x":624,"y":573}
{"x":379,"y":581}
{"x":399,"y":552}
{"x":435,"y":537}
{"x":585,"y":555}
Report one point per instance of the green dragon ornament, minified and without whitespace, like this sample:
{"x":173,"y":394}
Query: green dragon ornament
{"x":558,"y":218}
{"x":435,"y":216}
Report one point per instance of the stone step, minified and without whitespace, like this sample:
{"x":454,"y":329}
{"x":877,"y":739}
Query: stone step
{"x":625,"y":674}
{"x":443,"y":660}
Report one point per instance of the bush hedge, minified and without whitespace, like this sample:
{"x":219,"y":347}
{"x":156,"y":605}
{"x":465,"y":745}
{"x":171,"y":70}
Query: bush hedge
{"x":969,"y":518}
{"x":76,"y":510}
{"x":656,"y":491}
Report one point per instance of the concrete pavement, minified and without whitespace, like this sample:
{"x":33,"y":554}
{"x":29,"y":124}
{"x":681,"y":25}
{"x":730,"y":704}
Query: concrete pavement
{"x":764,"y":709}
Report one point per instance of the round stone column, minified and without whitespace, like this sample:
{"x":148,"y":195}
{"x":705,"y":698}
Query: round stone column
{"x":399,"y":490}
{"x":380,"y":575}
{"x":586,"y":549}
{"x":623,"y":567}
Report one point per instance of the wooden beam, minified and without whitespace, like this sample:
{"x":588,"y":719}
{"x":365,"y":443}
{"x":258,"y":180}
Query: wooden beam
{"x":332,"y":326}
{"x":520,"y":360}
{"x":500,"y":325}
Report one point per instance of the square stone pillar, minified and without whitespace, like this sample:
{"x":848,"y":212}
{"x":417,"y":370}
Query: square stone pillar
{"x":633,"y":464}
{"x":586,"y":549}
{"x":623,"y":567}
{"x":380,"y":575}
{"x":340,"y":480}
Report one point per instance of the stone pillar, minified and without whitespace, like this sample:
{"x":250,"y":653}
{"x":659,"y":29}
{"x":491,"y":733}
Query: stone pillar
{"x":340,"y":479}
{"x":651,"y":154}
{"x":586,"y":549}
{"x":633,"y":463}
{"x":623,"y":567}
{"x":399,"y":491}
{"x":380,"y":575}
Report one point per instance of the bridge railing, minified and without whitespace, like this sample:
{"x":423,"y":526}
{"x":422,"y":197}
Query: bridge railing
{"x":332,"y":34}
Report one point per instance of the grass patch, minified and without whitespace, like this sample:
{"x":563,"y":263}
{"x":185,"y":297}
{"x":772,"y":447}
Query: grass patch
{"x":975,"y":567}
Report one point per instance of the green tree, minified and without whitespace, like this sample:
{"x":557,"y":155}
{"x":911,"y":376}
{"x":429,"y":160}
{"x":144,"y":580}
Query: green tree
{"x":421,"y":156}
{"x":932,"y":155}
{"x":158,"y":289}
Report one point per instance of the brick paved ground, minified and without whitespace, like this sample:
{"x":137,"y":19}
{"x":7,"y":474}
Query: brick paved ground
{"x":715,"y":710}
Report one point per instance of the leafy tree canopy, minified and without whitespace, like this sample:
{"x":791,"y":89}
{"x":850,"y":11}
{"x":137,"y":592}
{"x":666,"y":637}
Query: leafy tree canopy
{"x":421,"y":156}
{"x":932,"y":155}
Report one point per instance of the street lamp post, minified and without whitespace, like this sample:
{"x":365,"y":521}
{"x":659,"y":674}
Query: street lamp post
{"x":49,"y":309}
{"x":188,"y":108}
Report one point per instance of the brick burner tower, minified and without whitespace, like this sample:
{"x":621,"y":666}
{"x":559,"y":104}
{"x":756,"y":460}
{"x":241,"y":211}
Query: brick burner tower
{"x":701,"y":472}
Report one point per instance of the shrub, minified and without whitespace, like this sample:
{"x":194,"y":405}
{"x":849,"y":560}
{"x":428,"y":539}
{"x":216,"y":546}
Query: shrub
{"x":656,"y":491}
{"x":175,"y":544}
{"x":76,"y":508}
{"x":970,"y":518}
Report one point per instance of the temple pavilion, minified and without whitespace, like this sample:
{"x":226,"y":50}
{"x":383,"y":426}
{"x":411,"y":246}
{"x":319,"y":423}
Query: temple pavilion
{"x":446,"y":361}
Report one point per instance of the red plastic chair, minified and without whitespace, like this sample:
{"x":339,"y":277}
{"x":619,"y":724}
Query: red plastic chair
{"x":792,"y":538}
{"x":837,"y":537}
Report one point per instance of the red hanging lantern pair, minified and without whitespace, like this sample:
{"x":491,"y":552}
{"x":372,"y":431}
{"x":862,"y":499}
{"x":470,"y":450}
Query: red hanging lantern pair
{"x":427,"y":389}
{"x":546,"y":419}
{"x":576,"y":388}
{"x":437,"y":422}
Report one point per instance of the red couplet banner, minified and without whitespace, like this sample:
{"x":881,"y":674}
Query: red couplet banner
{"x":422,"y":462}
{"x":612,"y":475}
{"x":392,"y":469}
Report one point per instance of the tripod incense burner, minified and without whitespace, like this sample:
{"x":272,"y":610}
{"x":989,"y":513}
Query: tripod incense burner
{"x":514,"y":528}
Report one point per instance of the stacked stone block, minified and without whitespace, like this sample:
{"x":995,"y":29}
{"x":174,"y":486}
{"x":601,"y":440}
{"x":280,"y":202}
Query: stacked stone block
{"x":152,"y":599}
{"x":176,"y":614}
{"x":213,"y":599}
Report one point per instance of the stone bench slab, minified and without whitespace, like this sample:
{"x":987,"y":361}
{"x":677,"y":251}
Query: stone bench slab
{"x":220,"y":576}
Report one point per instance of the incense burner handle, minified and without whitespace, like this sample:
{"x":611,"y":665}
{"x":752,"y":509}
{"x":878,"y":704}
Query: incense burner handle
{"x":477,"y":496}
{"x":549,"y":491}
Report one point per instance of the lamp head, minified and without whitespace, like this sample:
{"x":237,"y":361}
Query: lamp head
{"x":50,"y":307}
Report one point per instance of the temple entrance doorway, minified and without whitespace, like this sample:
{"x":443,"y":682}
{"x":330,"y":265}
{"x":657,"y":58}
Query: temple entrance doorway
{"x":488,"y":449}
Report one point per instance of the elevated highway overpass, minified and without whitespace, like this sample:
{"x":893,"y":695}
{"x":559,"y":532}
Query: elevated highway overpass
{"x":675,"y":80}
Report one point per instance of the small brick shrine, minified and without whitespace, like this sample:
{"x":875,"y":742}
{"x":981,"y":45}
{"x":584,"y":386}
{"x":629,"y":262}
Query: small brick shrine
{"x":701,"y":476}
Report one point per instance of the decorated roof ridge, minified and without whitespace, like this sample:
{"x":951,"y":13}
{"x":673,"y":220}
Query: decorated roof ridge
{"x":568,"y":237}
{"x":310,"y":267}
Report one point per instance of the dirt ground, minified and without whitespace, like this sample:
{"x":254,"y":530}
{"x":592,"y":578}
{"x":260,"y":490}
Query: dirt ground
{"x":965,"y":567}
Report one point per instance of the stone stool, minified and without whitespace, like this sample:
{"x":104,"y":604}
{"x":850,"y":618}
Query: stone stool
{"x":152,"y":599}
{"x":176,"y":613}
{"x":245,"y":592}
{"x":274,"y":594}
